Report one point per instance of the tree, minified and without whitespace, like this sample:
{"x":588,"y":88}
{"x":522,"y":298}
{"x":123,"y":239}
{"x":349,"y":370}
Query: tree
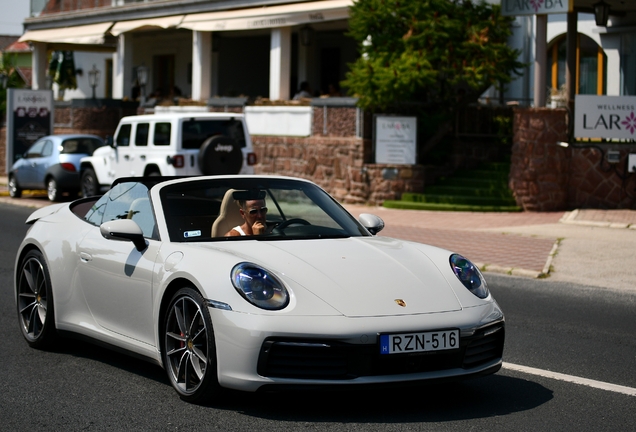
{"x":442,"y":52}
{"x":13,"y":80}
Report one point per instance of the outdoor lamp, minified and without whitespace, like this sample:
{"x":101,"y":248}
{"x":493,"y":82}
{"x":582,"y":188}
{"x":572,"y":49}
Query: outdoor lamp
{"x":93,"y":78}
{"x":601,"y":13}
{"x":306,"y":35}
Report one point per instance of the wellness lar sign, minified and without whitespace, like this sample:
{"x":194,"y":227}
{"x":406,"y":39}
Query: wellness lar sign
{"x":609,"y":117}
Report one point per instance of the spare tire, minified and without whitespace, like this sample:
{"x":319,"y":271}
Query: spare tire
{"x":220,"y":154}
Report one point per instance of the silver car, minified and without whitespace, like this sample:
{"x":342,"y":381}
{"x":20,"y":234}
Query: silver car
{"x":52,"y":163}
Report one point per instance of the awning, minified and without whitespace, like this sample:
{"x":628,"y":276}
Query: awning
{"x":163,"y":22}
{"x":83,"y":35}
{"x":269,"y":16}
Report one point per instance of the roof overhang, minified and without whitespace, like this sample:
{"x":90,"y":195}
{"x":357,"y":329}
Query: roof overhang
{"x":92,"y":36}
{"x":146,"y":24}
{"x":269,"y":16}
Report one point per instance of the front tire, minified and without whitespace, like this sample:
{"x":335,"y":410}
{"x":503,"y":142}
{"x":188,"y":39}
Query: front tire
{"x":89,"y":184}
{"x":35,"y":301}
{"x":14,"y":189}
{"x":189,"y":353}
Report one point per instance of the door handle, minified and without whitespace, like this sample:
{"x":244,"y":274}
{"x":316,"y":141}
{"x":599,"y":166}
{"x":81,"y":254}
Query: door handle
{"x":84,"y":257}
{"x":127,"y":157}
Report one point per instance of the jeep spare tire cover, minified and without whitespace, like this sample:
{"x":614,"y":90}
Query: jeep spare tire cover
{"x":220,"y":155}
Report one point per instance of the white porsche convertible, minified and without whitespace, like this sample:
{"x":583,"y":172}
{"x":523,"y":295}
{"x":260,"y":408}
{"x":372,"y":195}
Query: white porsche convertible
{"x":315,"y":299}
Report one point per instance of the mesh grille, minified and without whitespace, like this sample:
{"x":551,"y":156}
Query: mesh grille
{"x":308,"y":359}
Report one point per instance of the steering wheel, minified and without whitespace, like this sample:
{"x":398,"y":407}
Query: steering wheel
{"x":284,"y":224}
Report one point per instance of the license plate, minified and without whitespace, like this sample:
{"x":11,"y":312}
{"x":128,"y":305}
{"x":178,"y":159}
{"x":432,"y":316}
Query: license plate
{"x":419,"y":342}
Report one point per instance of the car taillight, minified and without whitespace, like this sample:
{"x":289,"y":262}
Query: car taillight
{"x":66,"y":166}
{"x":251,"y":159}
{"x":177,"y":161}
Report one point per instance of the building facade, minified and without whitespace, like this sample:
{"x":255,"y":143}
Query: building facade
{"x":197,"y":49}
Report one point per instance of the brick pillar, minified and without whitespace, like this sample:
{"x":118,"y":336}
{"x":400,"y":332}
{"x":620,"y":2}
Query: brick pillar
{"x":539,"y":167}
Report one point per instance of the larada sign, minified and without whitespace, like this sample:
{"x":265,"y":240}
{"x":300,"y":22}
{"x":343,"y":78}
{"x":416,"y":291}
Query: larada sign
{"x":535,"y":7}
{"x":610,"y":117}
{"x":395,"y":139}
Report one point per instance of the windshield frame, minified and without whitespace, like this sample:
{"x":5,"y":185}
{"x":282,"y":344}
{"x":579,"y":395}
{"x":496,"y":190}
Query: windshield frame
{"x":190,"y":208}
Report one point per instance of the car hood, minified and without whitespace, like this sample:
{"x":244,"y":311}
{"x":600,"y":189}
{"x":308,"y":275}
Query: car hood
{"x":360,"y":276}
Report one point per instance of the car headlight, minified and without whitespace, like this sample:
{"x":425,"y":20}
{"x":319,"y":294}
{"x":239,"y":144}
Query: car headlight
{"x":259,"y":286}
{"x":469,"y":275}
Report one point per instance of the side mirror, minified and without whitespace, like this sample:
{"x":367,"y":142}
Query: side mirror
{"x":124,"y":230}
{"x":372,"y":223}
{"x":110,"y":141}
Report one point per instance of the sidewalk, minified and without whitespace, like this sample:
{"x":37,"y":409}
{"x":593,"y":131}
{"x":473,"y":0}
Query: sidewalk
{"x":590,"y":247}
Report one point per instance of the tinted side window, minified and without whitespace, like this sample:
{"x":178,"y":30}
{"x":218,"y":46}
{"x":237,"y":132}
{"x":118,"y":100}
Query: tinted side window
{"x":141,"y":136}
{"x":96,"y":213}
{"x":80,"y":146}
{"x":162,"y":134}
{"x":47,"y":150}
{"x":123,"y":137}
{"x":35,"y":150}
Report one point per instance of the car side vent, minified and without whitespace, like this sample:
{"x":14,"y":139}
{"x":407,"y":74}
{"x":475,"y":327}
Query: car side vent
{"x":485,"y":346}
{"x":303,"y":360}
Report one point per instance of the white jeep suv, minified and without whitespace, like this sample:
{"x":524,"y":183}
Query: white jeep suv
{"x":170,"y":144}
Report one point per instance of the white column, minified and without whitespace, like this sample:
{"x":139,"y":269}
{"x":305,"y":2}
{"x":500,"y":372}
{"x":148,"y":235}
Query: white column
{"x":611,"y":44}
{"x":201,"y":65}
{"x":540,"y":61}
{"x":123,"y":68}
{"x":280,"y":63}
{"x":39,"y":64}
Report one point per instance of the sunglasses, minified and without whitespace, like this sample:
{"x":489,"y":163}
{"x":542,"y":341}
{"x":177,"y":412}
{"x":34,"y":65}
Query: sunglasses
{"x":262,"y":210}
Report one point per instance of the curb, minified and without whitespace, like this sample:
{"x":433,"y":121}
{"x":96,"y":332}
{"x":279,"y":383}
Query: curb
{"x":570,"y":218}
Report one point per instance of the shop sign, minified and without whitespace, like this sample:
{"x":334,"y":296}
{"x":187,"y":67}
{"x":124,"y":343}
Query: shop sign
{"x":535,"y":7}
{"x":29,"y":118}
{"x":395,"y":140}
{"x":610,"y":117}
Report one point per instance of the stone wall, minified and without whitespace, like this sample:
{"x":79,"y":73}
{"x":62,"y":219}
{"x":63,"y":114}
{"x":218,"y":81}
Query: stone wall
{"x":336,"y":164}
{"x":547,"y":177}
{"x":97,"y":120}
{"x":595,"y":183}
{"x":338,"y":157}
{"x":538,"y":173}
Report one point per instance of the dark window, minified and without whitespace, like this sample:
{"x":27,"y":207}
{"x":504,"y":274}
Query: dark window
{"x":123,"y":137}
{"x":141,"y":136}
{"x":162,"y":134}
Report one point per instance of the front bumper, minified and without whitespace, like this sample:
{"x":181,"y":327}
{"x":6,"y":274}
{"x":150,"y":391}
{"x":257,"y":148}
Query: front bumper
{"x":261,"y":352}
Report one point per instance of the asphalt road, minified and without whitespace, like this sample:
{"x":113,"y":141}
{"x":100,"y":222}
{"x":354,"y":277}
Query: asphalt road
{"x":584,"y":332}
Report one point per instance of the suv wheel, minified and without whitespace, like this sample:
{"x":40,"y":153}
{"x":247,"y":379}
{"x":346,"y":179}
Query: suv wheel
{"x":14,"y":189}
{"x":220,"y":155}
{"x":89,"y":184}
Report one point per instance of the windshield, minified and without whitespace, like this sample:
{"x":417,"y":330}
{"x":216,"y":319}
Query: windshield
{"x":227,"y":209}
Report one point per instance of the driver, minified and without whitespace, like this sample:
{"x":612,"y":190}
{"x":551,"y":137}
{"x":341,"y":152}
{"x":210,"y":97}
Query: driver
{"x":253,"y":213}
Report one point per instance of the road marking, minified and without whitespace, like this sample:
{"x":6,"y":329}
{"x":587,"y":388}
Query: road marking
{"x":571,"y":378}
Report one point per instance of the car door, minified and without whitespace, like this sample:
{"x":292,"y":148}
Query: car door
{"x":123,"y":165}
{"x":115,"y":278}
{"x":27,"y":166}
{"x":133,"y":155}
{"x":43,"y":163}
